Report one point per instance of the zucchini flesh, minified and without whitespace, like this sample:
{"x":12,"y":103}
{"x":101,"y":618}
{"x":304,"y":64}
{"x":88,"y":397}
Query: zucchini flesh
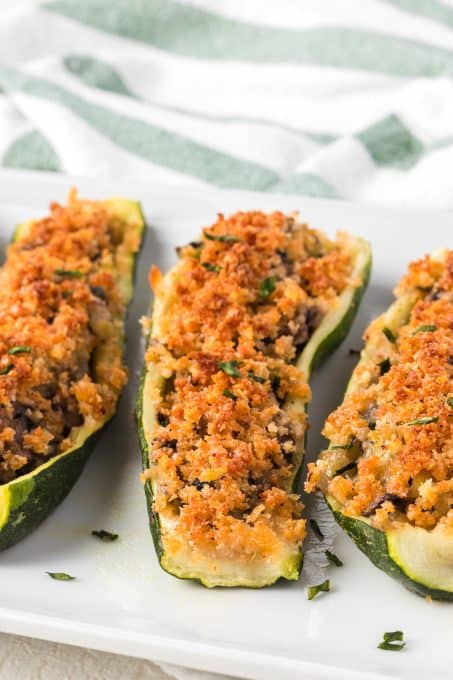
{"x":209,"y":567}
{"x":27,"y":500}
{"x":419,"y":558}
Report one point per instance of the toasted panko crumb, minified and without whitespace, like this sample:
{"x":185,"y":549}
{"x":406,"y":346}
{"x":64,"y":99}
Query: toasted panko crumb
{"x":399,"y":422}
{"x":61,"y":330}
{"x":245,"y":301}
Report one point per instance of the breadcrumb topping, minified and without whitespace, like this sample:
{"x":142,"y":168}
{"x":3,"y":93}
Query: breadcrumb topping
{"x":61,"y":332}
{"x":397,"y":422}
{"x":239,"y":308}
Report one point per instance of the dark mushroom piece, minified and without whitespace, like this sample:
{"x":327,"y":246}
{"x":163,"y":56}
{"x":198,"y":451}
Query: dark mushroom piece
{"x":399,"y":502}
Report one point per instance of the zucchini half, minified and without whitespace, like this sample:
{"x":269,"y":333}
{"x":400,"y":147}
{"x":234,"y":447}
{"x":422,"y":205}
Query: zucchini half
{"x":420,"y":559}
{"x":27,"y":500}
{"x":209,"y":569}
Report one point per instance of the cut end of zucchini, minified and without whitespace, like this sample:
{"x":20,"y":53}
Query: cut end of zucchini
{"x":212,"y":572}
{"x":420,"y":560}
{"x":185,"y":562}
{"x":426,"y":557}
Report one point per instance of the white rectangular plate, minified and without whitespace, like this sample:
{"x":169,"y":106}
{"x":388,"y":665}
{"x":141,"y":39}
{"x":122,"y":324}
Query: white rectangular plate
{"x":122,"y":601}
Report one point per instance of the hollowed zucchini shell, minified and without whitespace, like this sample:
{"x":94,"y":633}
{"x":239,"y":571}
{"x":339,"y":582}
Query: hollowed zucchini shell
{"x":420,"y":559}
{"x":27,"y":500}
{"x":324,"y":340}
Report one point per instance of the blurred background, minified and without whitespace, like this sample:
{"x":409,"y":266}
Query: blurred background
{"x":337,"y":99}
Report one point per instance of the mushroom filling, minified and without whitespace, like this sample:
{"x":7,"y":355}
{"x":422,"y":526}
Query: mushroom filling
{"x":247,"y":299}
{"x":60,"y":333}
{"x":396,"y":423}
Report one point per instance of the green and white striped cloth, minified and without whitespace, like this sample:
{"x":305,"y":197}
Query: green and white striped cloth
{"x":322,"y":98}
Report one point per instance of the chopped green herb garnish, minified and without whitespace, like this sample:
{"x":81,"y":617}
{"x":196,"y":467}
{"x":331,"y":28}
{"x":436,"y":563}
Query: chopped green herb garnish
{"x":69,"y":273}
{"x":345,"y":468}
{"x":195,"y":244}
{"x":60,"y":576}
{"x":230,"y":368}
{"x":427,"y":328}
{"x":450,"y":402}
{"x":391,"y":646}
{"x":323,"y":587}
{"x":333,"y":559}
{"x":393,"y":641}
{"x":384,"y":366}
{"x":423,"y":421}
{"x":316,"y":530}
{"x":349,"y":445}
{"x":211,"y":267}
{"x":7,"y":369}
{"x":372,"y":424}
{"x":256,"y":378}
{"x":267,"y":286}
{"x":67,"y":294}
{"x":223,"y":238}
{"x":228,"y":393}
{"x":105,"y":536}
{"x":395,"y":636}
{"x":20,"y":349}
{"x":389,"y":334}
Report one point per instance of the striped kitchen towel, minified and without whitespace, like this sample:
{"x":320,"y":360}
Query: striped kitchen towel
{"x":321,"y":98}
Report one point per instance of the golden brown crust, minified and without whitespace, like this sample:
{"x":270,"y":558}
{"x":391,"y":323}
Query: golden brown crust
{"x":246,"y":300}
{"x":400,"y":423}
{"x":58,"y":304}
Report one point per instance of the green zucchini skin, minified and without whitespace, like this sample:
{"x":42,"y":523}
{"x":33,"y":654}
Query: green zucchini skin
{"x":307,"y":362}
{"x":373,"y":543}
{"x":332,"y":341}
{"x":32,"y":497}
{"x":154,"y":523}
{"x":26,"y":501}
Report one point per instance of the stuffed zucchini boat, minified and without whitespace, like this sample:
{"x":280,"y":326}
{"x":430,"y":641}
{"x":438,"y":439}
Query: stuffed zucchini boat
{"x":63,"y":293}
{"x":388,"y":472}
{"x":237,"y":326}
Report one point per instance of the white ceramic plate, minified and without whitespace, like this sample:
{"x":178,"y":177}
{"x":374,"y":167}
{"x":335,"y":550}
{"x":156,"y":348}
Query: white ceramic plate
{"x":122,"y":602}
